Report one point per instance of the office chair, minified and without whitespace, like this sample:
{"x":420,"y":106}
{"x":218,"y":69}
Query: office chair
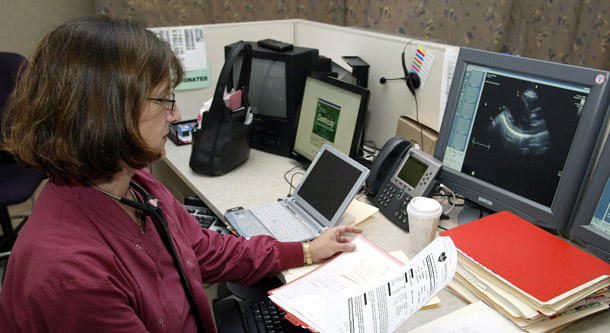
{"x":17,"y":182}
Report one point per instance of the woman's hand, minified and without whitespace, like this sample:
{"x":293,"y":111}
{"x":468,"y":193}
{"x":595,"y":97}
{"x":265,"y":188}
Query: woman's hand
{"x":332,"y":241}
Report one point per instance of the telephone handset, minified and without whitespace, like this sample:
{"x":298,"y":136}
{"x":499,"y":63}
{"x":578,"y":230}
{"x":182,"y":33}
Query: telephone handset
{"x":398,"y":174}
{"x":386,"y":161}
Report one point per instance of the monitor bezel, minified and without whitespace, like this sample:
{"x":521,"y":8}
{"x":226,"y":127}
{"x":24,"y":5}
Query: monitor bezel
{"x":276,"y":134}
{"x":364,"y":94}
{"x":581,"y":231}
{"x":344,"y":162}
{"x":494,"y":198}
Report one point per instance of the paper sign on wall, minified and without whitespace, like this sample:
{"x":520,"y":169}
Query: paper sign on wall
{"x":422,"y":64}
{"x":188,"y":43}
{"x":196,"y":79}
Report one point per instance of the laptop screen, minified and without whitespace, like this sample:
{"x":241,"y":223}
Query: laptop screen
{"x":331,"y":183}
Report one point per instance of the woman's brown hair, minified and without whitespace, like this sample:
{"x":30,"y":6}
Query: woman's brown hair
{"x":75,"y":109}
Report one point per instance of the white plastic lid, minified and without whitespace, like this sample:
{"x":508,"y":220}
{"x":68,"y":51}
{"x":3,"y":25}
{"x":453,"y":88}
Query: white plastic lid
{"x":423,"y":206}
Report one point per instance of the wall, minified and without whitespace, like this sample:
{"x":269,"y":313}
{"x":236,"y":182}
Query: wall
{"x":381,"y":51}
{"x":180,"y":12}
{"x":568,"y":31}
{"x":25,"y":22}
{"x":216,"y":37}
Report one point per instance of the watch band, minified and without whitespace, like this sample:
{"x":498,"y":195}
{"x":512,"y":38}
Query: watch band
{"x":307,"y":251}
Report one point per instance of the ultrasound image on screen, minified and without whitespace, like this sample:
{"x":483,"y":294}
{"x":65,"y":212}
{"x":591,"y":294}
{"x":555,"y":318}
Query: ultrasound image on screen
{"x":522,"y":134}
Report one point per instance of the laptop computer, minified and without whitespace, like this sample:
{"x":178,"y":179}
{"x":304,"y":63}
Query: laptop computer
{"x":318,"y":202}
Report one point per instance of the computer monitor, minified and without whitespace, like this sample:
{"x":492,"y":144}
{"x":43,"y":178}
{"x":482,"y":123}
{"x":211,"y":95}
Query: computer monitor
{"x":518,"y":134}
{"x":591,"y":224}
{"x":332,"y":112}
{"x":276,"y":87}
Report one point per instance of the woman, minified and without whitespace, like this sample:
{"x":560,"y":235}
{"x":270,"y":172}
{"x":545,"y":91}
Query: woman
{"x":92,"y":109}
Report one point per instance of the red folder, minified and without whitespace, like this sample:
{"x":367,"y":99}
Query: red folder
{"x":533,"y":260}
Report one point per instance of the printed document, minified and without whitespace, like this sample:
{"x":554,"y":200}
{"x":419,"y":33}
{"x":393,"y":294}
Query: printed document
{"x":367,"y":290}
{"x":187,"y":42}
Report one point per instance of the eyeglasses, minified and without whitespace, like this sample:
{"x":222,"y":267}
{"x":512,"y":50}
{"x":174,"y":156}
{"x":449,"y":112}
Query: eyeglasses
{"x":167,"y":102}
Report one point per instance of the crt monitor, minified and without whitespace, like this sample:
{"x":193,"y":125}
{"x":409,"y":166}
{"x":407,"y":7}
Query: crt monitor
{"x":591,"y":224}
{"x":518,"y":133}
{"x":332,"y":112}
{"x":274,"y":93}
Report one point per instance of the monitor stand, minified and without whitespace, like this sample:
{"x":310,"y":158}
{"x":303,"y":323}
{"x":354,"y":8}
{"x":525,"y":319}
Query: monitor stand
{"x":471,"y":211}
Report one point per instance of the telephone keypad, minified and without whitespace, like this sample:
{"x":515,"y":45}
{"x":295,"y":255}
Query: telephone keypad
{"x":395,"y":193}
{"x":401,"y":212}
{"x":386,"y":195}
{"x":394,"y":197}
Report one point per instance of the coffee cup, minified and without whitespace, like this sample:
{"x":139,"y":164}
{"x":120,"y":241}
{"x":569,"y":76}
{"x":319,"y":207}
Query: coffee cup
{"x":424,"y":214}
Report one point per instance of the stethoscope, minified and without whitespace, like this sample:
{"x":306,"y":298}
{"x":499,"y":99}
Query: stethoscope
{"x":150,"y":207}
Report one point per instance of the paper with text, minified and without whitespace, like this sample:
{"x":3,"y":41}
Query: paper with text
{"x":305,"y":297}
{"x":327,"y":301}
{"x":365,"y":270}
{"x":449,"y":63}
{"x":188,"y":43}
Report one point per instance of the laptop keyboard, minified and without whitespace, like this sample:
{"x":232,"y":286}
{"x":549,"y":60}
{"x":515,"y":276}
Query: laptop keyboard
{"x":270,"y":318}
{"x":283,"y":225}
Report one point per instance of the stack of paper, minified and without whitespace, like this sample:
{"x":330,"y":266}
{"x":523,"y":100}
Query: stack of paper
{"x":537,"y":280}
{"x":367,"y":290}
{"x":474,"y":318}
{"x":292,"y":274}
{"x":358,"y":212}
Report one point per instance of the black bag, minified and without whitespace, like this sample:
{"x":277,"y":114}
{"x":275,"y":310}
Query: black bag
{"x":223,"y":142}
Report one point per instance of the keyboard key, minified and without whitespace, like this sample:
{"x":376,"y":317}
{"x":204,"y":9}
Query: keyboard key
{"x":282,"y":224}
{"x":206,"y":218}
{"x":274,"y":321}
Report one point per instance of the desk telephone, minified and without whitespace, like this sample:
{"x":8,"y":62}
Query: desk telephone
{"x":398,"y":174}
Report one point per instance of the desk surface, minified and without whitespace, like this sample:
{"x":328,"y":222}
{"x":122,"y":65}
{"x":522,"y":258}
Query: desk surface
{"x":260,"y":180}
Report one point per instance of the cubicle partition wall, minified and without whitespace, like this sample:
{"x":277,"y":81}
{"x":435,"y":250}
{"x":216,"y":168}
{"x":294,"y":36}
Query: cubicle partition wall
{"x":381,"y":51}
{"x":217,"y":36}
